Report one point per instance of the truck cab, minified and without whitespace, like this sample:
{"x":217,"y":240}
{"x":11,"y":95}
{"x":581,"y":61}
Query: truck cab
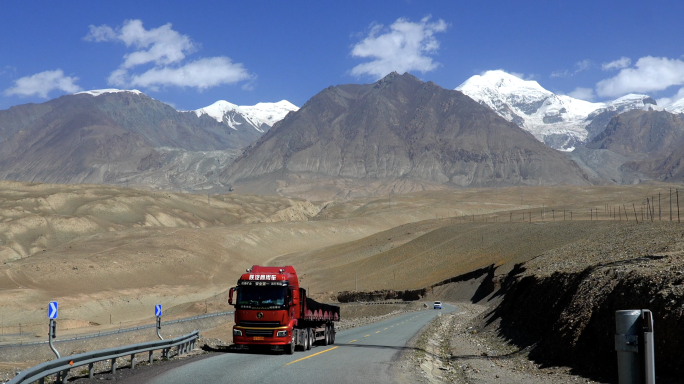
{"x":272,"y":310}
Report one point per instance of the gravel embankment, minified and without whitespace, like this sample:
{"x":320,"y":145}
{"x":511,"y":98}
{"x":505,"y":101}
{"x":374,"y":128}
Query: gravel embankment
{"x":561,"y":304}
{"x":450,"y":350}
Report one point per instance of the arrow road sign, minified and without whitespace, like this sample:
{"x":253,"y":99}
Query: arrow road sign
{"x":157,"y":310}
{"x":52,"y":310}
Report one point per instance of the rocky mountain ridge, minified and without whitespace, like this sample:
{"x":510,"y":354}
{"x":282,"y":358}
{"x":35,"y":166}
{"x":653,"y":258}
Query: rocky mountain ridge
{"x":397,"y":129}
{"x":114,"y":136}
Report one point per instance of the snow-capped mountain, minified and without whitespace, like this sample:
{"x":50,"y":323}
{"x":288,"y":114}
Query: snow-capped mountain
{"x":255,"y":116}
{"x":677,"y":107}
{"x":98,"y":92}
{"x":560,"y":121}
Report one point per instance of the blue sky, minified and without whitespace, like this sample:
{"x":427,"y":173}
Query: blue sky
{"x":191,"y":54}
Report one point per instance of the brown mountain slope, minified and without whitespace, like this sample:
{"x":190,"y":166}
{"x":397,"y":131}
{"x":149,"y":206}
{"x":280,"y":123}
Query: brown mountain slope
{"x":103,"y":139}
{"x":639,"y":133}
{"x":396,"y":130}
{"x":650,"y":141}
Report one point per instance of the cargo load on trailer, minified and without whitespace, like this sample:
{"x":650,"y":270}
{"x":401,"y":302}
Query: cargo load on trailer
{"x":272,"y":310}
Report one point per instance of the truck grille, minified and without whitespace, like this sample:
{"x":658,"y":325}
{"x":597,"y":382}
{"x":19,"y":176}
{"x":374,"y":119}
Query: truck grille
{"x":259,"y":332}
{"x":260,"y":323}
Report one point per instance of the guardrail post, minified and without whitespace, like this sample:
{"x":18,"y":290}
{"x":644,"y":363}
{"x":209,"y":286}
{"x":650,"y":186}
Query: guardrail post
{"x":91,"y":370}
{"x":114,"y":365}
{"x":133,"y":361}
{"x":151,"y":359}
{"x":65,"y":374}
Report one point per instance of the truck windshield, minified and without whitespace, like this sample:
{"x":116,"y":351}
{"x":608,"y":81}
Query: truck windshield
{"x":261,"y":296}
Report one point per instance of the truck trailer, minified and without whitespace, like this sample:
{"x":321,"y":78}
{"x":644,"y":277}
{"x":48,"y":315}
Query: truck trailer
{"x":272,"y":310}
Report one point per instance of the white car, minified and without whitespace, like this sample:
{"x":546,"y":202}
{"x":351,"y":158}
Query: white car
{"x":438,"y":305}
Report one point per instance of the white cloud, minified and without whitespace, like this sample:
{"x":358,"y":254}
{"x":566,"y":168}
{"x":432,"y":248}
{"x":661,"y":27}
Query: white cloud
{"x":519,"y":75}
{"x":648,"y":74}
{"x":579,"y":67}
{"x":665,"y":101}
{"x":583,"y":94}
{"x":101,"y":33}
{"x":582,"y":65}
{"x":43,"y":83}
{"x":166,"y":49}
{"x":403,"y":47}
{"x":200,"y":74}
{"x":161,"y":45}
{"x":620,"y":63}
{"x":563,"y":73}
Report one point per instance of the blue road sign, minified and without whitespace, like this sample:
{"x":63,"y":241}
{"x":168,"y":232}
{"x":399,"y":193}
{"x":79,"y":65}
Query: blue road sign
{"x":157,"y":310}
{"x":52,"y":310}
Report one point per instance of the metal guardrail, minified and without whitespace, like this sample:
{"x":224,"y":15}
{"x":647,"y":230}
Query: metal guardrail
{"x":61,"y":366}
{"x":131,"y":329}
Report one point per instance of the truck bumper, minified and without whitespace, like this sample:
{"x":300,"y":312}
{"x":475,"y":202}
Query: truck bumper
{"x":248,"y":336}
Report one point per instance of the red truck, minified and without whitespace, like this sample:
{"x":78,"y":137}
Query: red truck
{"x":272,"y":310}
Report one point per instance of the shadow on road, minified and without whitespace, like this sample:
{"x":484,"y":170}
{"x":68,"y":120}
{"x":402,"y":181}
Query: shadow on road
{"x":246,"y":351}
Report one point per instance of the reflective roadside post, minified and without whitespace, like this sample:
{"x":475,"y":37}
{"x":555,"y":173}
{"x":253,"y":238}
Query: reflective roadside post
{"x":634,"y":346}
{"x":52,"y":330}
{"x":649,"y":346}
{"x":158,"y":314}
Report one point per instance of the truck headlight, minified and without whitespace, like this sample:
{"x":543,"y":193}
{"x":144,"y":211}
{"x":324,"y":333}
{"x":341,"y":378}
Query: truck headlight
{"x":281,"y":334}
{"x":237,"y":332}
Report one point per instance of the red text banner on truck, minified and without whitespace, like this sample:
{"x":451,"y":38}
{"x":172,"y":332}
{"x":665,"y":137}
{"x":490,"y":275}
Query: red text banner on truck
{"x":272,"y":310}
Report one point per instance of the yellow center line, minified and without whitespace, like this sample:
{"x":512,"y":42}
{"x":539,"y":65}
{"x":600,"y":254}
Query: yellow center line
{"x":352,"y":341}
{"x":385,"y":329}
{"x":304,"y":358}
{"x":377,"y":332}
{"x":366,"y":335}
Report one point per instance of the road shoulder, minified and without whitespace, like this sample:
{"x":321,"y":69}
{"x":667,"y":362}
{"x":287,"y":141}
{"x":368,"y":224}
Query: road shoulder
{"x":450,"y":349}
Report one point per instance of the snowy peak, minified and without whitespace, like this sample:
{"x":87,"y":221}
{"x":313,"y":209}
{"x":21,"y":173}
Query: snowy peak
{"x":560,"y":121}
{"x":504,"y":84}
{"x":631,"y":101}
{"x":217,"y":110}
{"x":677,"y":107}
{"x":556,"y":120}
{"x":253,"y":115}
{"x":269,"y":113}
{"x":98,"y":92}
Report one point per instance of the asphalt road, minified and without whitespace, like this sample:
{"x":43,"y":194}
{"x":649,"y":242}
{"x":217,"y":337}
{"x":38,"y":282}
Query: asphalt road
{"x":359,"y":355}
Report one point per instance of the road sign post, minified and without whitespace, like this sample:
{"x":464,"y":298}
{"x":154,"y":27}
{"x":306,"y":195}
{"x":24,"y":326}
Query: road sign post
{"x":52,"y":330}
{"x":158,"y":314}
